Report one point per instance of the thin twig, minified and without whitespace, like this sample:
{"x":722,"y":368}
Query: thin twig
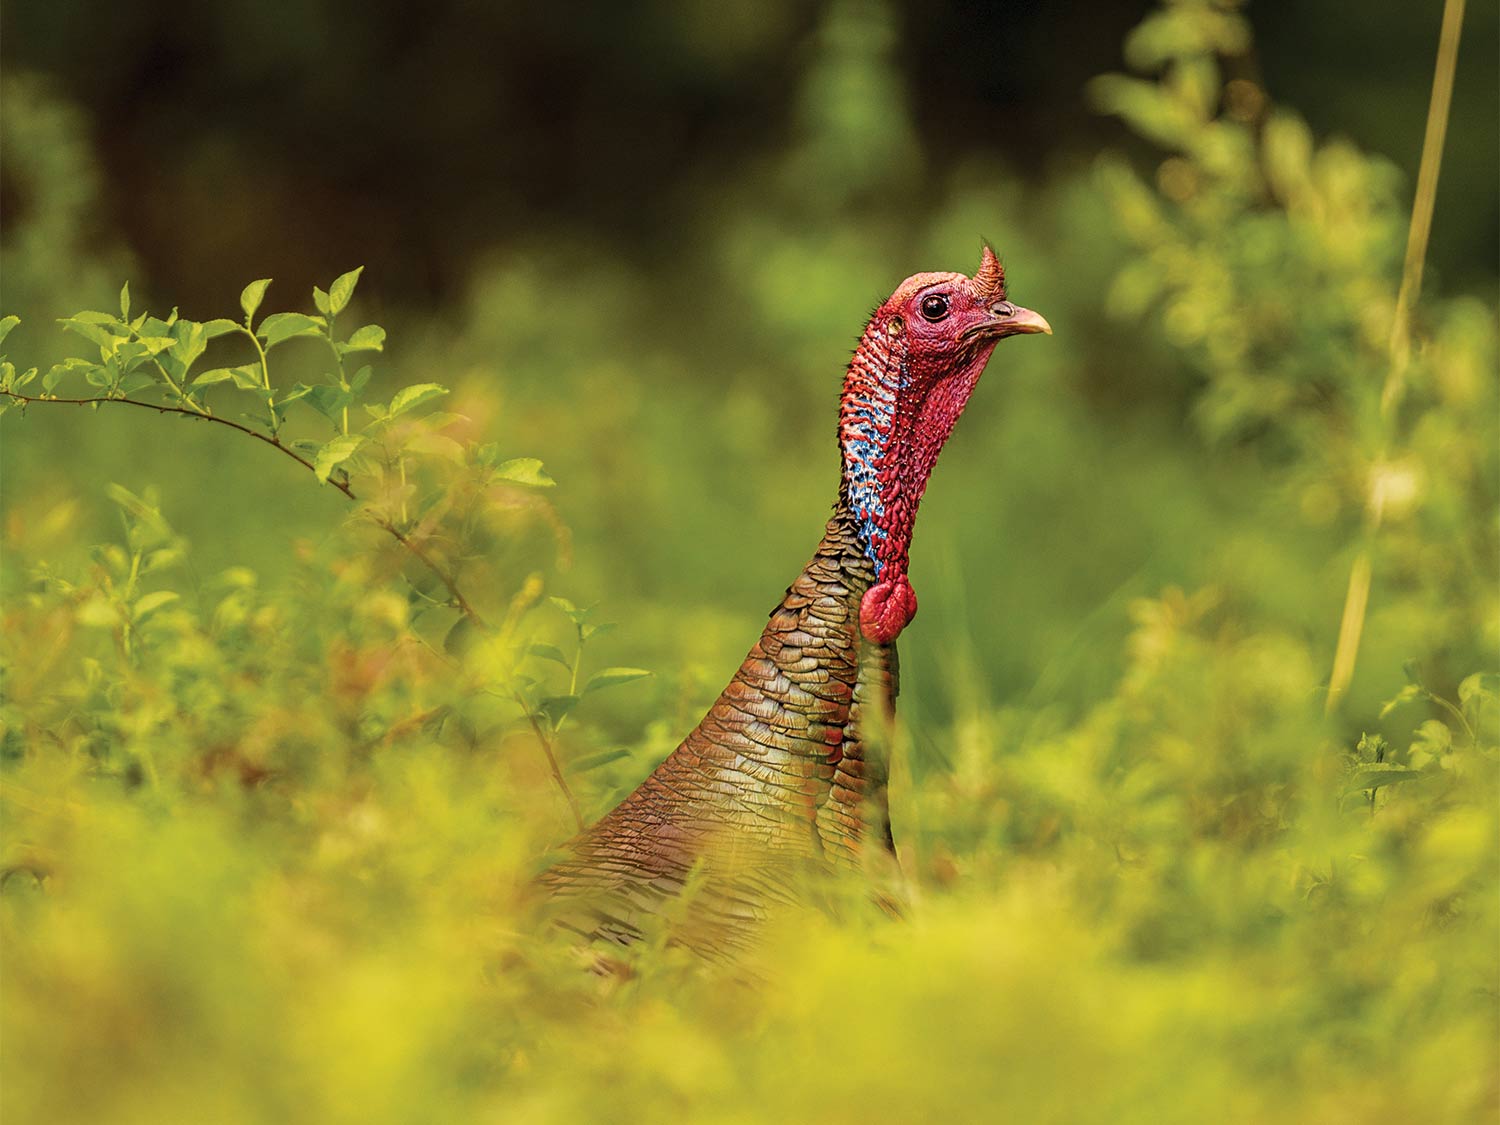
{"x":461,"y":602}
{"x":557,"y":774}
{"x":1357,"y":598}
{"x":447,"y":580}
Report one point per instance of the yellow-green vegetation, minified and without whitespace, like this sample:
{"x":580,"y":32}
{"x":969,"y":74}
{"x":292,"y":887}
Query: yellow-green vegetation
{"x":279,"y":763}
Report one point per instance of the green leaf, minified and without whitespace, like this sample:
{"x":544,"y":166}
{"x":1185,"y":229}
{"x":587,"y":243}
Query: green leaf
{"x":342,"y":289}
{"x":436,"y":445}
{"x":320,"y":299}
{"x":155,"y":345}
{"x":150,"y":603}
{"x":219,"y":327}
{"x":279,"y":327}
{"x":189,"y":343}
{"x":576,"y":615}
{"x":106,"y":320}
{"x":1377,"y":775}
{"x":609,"y":677}
{"x":251,"y":297}
{"x":594,"y":761}
{"x":1405,"y":695}
{"x":461,"y":637}
{"x":301,"y":390}
{"x":551,"y":652}
{"x":6,"y":325}
{"x":335,"y":453}
{"x":361,"y":379}
{"x":328,"y":400}
{"x":94,"y":332}
{"x":98,"y":613}
{"x":1471,"y":689}
{"x":246,"y":377}
{"x":125,"y":302}
{"x":146,"y":514}
{"x":370,"y":338}
{"x":524,"y":470}
{"x":557,"y":707}
{"x":409,"y":397}
{"x":1434,"y":737}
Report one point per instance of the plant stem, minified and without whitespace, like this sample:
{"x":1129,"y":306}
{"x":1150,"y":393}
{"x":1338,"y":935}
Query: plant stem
{"x":557,"y":775}
{"x":1357,"y":597}
{"x":338,"y":359}
{"x":265,"y":378}
{"x":197,"y":409}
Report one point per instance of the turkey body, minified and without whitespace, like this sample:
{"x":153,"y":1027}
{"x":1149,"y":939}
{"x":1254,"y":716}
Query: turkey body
{"x":780,"y":779}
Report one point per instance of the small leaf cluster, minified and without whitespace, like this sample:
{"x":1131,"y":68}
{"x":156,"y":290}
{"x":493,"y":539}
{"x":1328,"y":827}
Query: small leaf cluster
{"x":548,"y":699}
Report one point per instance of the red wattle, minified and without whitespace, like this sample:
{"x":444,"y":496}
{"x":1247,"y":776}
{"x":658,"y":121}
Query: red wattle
{"x":886,"y":609}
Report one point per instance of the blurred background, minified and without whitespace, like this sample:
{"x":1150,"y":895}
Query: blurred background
{"x":270,"y":864}
{"x":641,"y":239}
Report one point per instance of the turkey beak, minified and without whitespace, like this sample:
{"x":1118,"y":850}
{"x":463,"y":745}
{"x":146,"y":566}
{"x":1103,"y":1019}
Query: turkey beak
{"x":1012,"y":320}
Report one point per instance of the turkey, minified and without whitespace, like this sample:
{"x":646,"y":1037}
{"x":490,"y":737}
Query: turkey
{"x":784,"y":774}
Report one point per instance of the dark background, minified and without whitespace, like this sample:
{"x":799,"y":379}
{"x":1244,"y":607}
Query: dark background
{"x":242,"y":139}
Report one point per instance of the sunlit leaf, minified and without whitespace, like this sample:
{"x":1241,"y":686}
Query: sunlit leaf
{"x":524,"y":470}
{"x":342,"y":289}
{"x":370,"y":338}
{"x":251,"y":297}
{"x":413,"y":396}
{"x":280,"y":327}
{"x":335,"y":453}
{"x":215,"y":328}
{"x":99,"y":335}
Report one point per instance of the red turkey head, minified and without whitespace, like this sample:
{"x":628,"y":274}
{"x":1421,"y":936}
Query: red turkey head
{"x":911,"y":376}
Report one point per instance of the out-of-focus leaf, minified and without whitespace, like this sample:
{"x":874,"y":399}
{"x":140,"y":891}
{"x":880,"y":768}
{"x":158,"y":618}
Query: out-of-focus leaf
{"x":524,"y":470}
{"x":609,"y":677}
{"x":150,"y":603}
{"x":550,"y":652}
{"x":556,"y":708}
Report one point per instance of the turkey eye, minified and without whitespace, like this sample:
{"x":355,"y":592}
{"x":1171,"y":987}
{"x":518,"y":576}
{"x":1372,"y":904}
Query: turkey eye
{"x":935,"y":307}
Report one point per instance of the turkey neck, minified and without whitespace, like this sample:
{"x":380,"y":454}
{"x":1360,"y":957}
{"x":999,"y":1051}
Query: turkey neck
{"x":779,"y":758}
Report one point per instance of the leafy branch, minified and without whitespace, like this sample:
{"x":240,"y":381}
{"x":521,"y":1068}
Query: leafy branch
{"x":155,"y":357}
{"x":153,"y":363}
{"x":546,"y":712}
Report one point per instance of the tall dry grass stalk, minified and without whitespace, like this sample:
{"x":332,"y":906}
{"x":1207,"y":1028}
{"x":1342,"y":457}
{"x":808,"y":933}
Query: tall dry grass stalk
{"x":1357,"y":599}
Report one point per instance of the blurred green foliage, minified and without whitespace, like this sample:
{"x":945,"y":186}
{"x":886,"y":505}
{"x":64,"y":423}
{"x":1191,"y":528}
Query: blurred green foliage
{"x":270,"y":809}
